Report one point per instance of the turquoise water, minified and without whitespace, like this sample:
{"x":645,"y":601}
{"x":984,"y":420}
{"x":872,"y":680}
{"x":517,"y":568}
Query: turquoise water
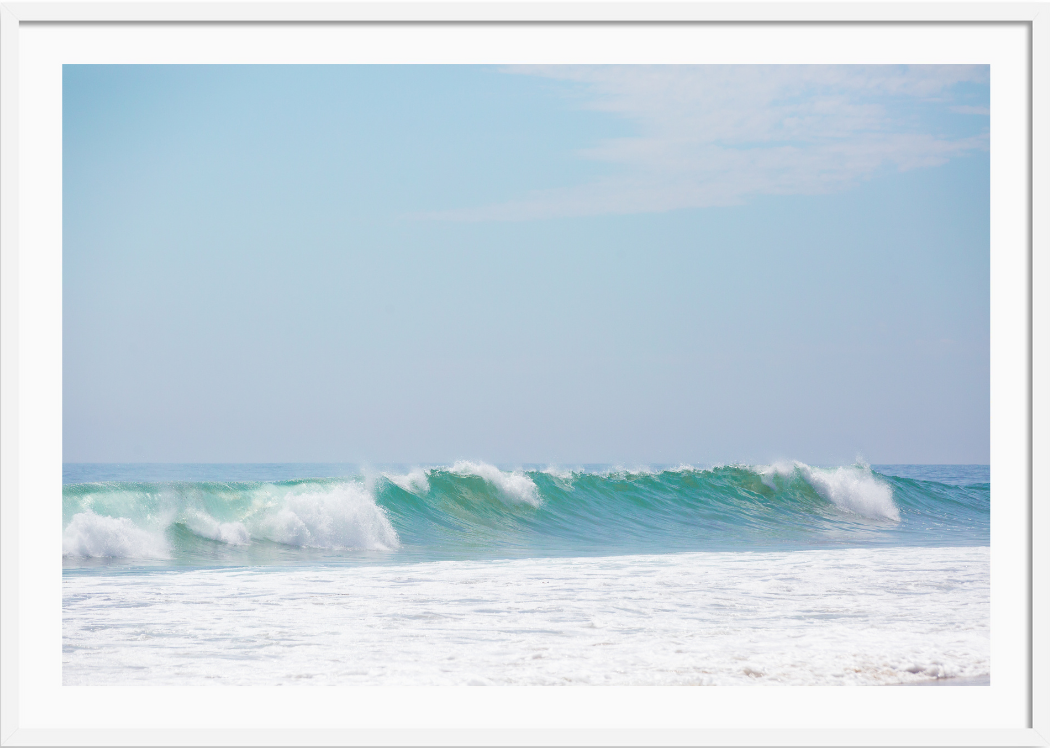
{"x":116,"y":516}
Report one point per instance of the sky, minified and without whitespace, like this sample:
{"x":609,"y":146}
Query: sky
{"x":628,"y":265}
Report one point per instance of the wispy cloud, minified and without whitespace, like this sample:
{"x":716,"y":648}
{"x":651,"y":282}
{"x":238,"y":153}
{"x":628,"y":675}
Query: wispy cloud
{"x":718,"y":135}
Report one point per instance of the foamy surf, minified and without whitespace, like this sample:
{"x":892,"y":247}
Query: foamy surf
{"x":89,"y":535}
{"x":674,"y":619}
{"x":337,"y":516}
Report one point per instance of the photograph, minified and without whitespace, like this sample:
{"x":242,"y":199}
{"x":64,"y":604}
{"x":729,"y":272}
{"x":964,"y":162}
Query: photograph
{"x":526,"y":375}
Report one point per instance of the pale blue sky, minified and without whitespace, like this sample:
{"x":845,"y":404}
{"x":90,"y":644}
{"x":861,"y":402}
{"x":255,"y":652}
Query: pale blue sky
{"x":570,"y":264}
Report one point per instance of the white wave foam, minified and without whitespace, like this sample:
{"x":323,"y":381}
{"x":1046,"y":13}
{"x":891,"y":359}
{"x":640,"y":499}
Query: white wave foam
{"x":562,"y":473}
{"x":621,"y":472}
{"x":91,"y":535}
{"x":414,"y":482}
{"x":206,"y":526}
{"x":852,"y":489}
{"x":715,"y":618}
{"x":340,"y":516}
{"x":514,"y":486}
{"x":935,"y":670}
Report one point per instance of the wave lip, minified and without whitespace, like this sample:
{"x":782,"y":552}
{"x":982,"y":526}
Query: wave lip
{"x":852,"y":489}
{"x":206,"y":526}
{"x":514,"y":486}
{"x":415,"y":481}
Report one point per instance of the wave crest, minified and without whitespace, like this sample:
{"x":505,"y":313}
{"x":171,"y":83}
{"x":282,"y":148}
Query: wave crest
{"x":415,"y":481}
{"x":206,"y":526}
{"x":852,"y":489}
{"x":514,"y":486}
{"x":341,"y":516}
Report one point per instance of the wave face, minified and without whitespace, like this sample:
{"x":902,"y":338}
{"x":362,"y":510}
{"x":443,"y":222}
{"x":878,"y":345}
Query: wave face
{"x":475,"y":510}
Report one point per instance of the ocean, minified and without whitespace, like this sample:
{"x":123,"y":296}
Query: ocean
{"x":783,"y":574}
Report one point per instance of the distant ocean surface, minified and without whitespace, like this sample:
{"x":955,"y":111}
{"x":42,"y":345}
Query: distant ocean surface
{"x":319,"y":573}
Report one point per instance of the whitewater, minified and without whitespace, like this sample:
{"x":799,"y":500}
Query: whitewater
{"x":782,"y":574}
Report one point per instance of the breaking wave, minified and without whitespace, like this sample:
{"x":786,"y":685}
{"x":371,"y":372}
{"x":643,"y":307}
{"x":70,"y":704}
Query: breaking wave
{"x":477,"y":509}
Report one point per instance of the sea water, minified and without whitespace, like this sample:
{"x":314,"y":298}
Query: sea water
{"x":535,"y":575}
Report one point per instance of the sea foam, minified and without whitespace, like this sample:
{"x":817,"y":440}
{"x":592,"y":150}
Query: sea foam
{"x":344,"y":515}
{"x":739,"y":618}
{"x":206,"y":526}
{"x":90,"y":535}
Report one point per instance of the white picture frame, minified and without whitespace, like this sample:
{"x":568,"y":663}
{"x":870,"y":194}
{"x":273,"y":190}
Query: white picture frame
{"x":28,"y":335}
